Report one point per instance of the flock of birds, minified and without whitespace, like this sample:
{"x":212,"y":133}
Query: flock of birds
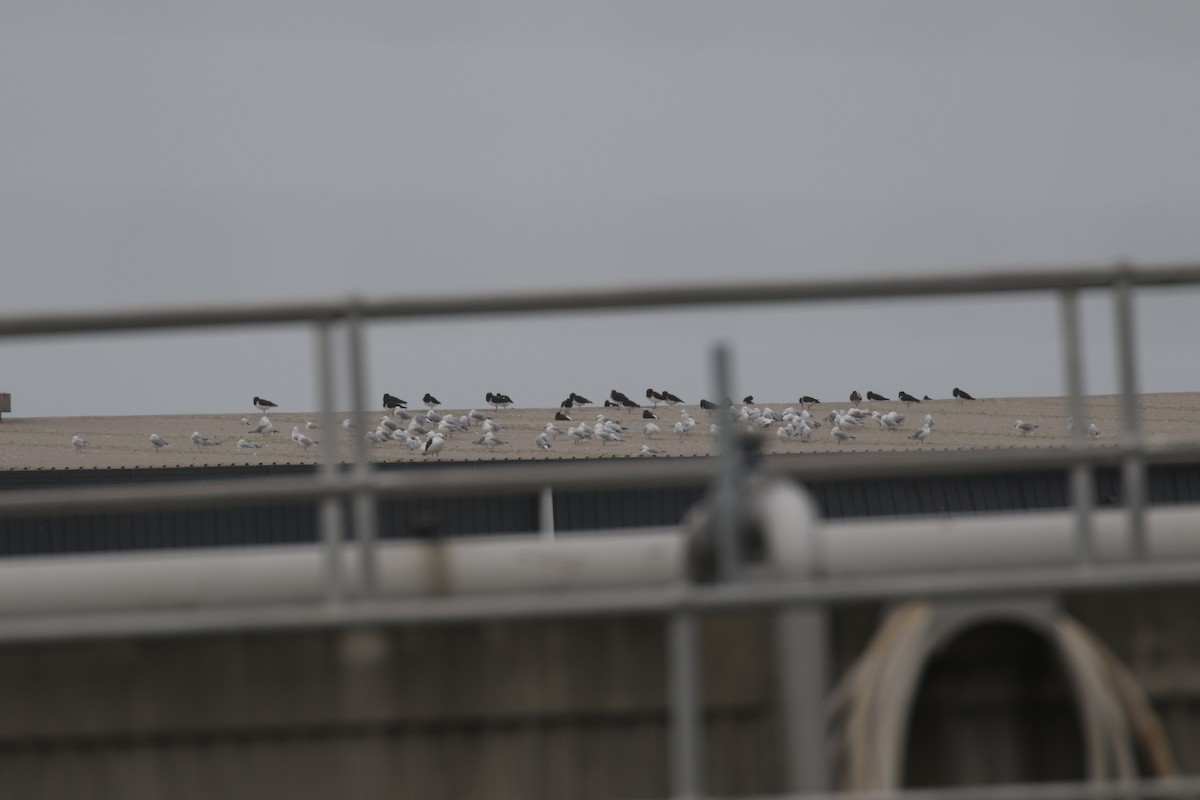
{"x":428,"y":431}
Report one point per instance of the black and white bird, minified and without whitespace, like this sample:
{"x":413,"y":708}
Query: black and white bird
{"x":855,"y":397}
{"x":875,"y":395}
{"x":580,"y":400}
{"x":648,"y":414}
{"x":617,"y":397}
{"x":748,"y":399}
{"x":905,"y":397}
{"x":671,"y":399}
{"x":961,"y":395}
{"x":390,"y":401}
{"x":708,"y":405}
{"x":808,"y":400}
{"x":262,"y":404}
{"x":561,"y":417}
{"x":654,"y":397}
{"x":158,"y":442}
{"x":434,"y":444}
{"x":430,"y":401}
{"x":497,"y":400}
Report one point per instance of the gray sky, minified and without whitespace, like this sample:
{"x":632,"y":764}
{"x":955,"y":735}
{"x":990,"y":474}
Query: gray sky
{"x":173,"y":153}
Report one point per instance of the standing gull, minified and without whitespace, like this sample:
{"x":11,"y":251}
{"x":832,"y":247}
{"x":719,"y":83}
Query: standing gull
{"x":1024,"y":427}
{"x":158,"y":442}
{"x":78,"y":442}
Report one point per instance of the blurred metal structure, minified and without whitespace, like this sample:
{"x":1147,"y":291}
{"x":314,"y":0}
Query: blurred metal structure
{"x":353,"y":596}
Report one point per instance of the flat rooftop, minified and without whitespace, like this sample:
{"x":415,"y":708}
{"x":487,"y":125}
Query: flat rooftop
{"x":36,"y":443}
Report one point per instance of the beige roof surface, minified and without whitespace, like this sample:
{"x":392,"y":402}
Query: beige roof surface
{"x":45,"y":442}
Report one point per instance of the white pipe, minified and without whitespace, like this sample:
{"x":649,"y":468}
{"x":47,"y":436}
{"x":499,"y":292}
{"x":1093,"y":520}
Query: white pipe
{"x":997,"y":541}
{"x":205,"y":578}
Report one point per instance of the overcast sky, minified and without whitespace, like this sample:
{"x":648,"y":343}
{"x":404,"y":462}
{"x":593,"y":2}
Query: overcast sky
{"x":171,"y":153}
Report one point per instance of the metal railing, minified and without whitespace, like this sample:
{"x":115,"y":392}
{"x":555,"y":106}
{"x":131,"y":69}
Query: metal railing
{"x":362,"y":486}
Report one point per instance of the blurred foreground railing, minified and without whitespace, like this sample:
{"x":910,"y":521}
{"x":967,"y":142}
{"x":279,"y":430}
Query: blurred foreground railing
{"x":362,"y":486}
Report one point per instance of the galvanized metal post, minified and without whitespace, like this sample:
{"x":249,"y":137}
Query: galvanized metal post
{"x":728,"y":495}
{"x":1133,"y":468}
{"x":365,"y":518}
{"x":546,"y":512}
{"x":802,"y":666}
{"x":686,"y":731}
{"x":331,"y":506}
{"x":1082,"y":489}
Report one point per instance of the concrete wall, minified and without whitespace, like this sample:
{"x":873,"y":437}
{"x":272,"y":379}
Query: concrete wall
{"x":523,"y":710}
{"x":565,"y":709}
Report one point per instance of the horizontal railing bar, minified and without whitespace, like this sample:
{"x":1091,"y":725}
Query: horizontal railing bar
{"x":499,"y":607}
{"x":601,"y":299}
{"x":1182,"y":786}
{"x":614,"y":473}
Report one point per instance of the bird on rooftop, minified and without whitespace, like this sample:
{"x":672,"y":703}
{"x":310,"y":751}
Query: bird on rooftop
{"x":390,"y":401}
{"x":875,"y":396}
{"x":300,"y":439}
{"x":855,"y":397}
{"x":708,"y":405}
{"x":434,"y":444}
{"x":542,"y":441}
{"x":498,"y":401}
{"x":312,"y":426}
{"x":262,"y":403}
{"x":244,"y":445}
{"x":1093,"y":431}
{"x":1024,"y":427}
{"x":671,"y":399}
{"x":921,"y":433}
{"x":430,"y":401}
{"x":654,"y":397}
{"x":158,"y":442}
{"x":961,"y":395}
{"x":200,"y":440}
{"x":78,"y":442}
{"x":808,"y":400}
{"x":647,"y":450}
{"x":561,"y":417}
{"x":907,"y":398}
{"x":748,"y":398}
{"x":580,"y":400}
{"x":839,"y":435}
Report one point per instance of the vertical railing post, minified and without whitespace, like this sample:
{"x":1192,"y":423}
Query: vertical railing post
{"x":546,"y":512}
{"x":728,"y":503}
{"x":365,"y":517}
{"x":330,"y":520}
{"x":1133,"y":471}
{"x":802,"y":674}
{"x":1082,"y":488}
{"x":686,"y":731}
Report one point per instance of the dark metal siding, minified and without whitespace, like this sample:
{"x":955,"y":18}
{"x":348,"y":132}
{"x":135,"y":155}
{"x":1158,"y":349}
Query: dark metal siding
{"x":575,"y":510}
